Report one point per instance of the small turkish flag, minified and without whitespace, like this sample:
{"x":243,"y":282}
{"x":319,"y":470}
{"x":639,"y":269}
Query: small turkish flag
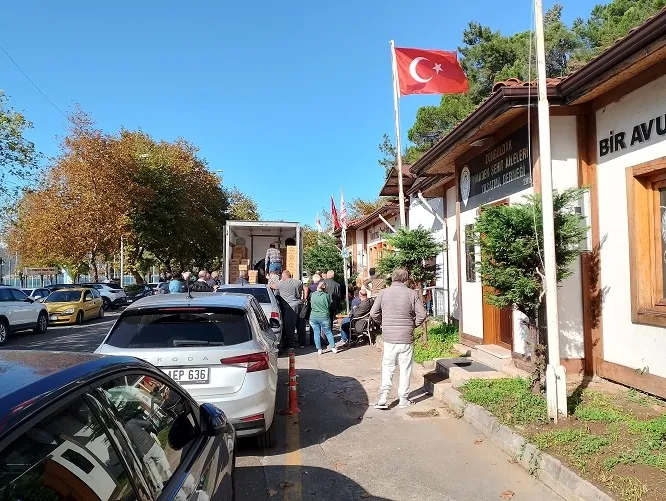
{"x":422,"y":71}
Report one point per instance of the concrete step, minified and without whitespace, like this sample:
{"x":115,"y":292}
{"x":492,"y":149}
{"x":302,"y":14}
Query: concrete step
{"x":460,"y":370}
{"x":493,"y":356}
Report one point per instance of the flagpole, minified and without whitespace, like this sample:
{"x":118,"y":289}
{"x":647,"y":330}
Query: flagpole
{"x":396,"y":114}
{"x":556,"y":386}
{"x":343,"y":208}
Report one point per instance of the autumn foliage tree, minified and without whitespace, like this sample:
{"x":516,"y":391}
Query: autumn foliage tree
{"x":158,"y":196}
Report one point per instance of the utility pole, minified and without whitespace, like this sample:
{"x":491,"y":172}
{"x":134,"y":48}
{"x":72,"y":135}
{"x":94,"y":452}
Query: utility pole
{"x":556,"y":384}
{"x":2,"y":262}
{"x":122,"y":261}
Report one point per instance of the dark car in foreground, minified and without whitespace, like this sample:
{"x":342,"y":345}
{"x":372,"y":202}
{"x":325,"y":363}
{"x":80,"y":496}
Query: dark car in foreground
{"x":78,"y":426}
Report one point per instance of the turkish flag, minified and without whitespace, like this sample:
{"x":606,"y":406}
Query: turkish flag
{"x":335,"y":222}
{"x":422,"y":71}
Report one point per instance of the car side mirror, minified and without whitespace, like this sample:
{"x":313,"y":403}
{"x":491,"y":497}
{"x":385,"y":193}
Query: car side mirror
{"x":213,"y":420}
{"x":274,"y":323}
{"x":182,"y":432}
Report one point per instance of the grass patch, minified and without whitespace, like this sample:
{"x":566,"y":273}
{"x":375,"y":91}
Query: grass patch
{"x":441,"y":338}
{"x":510,"y":400}
{"x":617,"y":439}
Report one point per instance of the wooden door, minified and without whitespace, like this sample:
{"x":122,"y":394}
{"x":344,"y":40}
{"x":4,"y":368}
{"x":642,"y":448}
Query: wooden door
{"x":497,"y":324}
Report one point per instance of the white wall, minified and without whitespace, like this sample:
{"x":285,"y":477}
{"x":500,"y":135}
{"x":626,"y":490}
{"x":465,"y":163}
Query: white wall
{"x":564,"y":151}
{"x":631,"y":345}
{"x":452,"y":246}
{"x":471,"y":292}
{"x":422,"y":215}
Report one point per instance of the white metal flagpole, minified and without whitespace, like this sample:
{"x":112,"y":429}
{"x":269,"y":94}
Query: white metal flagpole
{"x":556,"y":386}
{"x":396,"y":114}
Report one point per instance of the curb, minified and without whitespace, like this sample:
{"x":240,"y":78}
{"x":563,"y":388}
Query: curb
{"x":545,"y":467}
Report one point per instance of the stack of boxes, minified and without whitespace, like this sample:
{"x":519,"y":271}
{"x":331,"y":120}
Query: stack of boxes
{"x":239,"y":262}
{"x":291,"y":260}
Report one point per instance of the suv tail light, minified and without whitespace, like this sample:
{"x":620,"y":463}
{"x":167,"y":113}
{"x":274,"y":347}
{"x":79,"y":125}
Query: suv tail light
{"x":275,"y":314}
{"x":255,"y":361}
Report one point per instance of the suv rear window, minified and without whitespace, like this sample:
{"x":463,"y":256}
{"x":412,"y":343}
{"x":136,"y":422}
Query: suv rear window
{"x":260,"y":293}
{"x":180,"y":327}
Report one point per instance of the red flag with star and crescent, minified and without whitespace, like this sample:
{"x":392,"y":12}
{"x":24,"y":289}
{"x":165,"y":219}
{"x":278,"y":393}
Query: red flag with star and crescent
{"x":422,"y":71}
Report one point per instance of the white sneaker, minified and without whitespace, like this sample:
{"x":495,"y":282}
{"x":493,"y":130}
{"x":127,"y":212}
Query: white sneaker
{"x":405,"y":402}
{"x":382,"y":405}
{"x":319,"y":352}
{"x":334,"y":350}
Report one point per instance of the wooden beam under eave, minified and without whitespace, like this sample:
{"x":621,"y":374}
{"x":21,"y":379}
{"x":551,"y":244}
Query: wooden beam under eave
{"x":586,"y":133}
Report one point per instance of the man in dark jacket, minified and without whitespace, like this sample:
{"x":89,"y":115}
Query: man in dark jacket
{"x":201,"y":285}
{"x":399,"y":310}
{"x":360,"y":309}
{"x":333,"y":290}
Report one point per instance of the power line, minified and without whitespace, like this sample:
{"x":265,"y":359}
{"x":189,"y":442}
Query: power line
{"x":33,"y":83}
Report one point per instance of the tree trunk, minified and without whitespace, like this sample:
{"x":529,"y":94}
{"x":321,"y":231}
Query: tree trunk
{"x":537,"y":357}
{"x":94,"y":269}
{"x":137,"y":276}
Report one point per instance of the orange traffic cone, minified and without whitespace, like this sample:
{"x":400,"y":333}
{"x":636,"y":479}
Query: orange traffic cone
{"x":293,"y":386}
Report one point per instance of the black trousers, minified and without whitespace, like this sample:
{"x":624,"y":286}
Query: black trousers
{"x":293,"y":329}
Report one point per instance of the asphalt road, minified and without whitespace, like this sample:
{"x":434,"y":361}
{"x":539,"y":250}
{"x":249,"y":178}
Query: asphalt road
{"x":340,"y":448}
{"x":84,"y":337}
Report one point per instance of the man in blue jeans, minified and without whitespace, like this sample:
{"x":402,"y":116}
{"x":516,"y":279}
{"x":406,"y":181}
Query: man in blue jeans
{"x":273,"y":260}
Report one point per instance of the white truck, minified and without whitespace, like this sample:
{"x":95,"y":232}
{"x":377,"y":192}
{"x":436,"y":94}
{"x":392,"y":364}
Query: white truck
{"x":257,"y":236}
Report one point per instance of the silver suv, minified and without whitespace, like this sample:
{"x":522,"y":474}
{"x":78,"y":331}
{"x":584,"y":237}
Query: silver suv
{"x":219,"y":347}
{"x":18,"y":312}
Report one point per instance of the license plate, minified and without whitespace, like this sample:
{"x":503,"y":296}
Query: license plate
{"x":188,"y":375}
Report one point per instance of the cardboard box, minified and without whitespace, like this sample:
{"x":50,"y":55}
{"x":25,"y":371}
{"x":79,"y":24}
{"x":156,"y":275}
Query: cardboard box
{"x":242,"y":267}
{"x":239,"y":252}
{"x":252,"y":273}
{"x":292,"y":250}
{"x":246,"y":262}
{"x":234,"y":262}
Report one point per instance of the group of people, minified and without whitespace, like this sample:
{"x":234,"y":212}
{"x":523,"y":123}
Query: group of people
{"x":206,"y":281}
{"x":399,"y":309}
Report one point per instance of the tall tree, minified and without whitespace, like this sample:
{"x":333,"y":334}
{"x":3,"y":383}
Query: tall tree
{"x":511,"y":265}
{"x":18,"y":159}
{"x":241,"y":206}
{"x":607,"y":23}
{"x":389,"y":158}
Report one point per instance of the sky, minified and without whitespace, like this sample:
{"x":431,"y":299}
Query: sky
{"x":289,"y":99}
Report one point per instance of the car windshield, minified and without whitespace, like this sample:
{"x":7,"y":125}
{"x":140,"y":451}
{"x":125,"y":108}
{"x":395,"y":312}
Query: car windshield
{"x":187,"y":326}
{"x":260,"y":293}
{"x":64,"y":297}
{"x":134,"y":288}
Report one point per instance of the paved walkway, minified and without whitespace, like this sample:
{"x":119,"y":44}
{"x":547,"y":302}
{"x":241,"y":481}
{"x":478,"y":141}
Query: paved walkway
{"x":340,"y":448}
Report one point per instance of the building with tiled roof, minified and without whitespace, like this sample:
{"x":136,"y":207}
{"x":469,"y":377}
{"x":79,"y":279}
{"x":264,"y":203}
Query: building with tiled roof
{"x":608,"y":132}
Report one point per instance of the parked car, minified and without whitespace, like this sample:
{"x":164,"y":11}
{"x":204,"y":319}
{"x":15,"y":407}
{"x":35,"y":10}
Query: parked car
{"x":220,"y":347}
{"x":57,"y":287}
{"x":266,"y":298}
{"x":112,"y":294}
{"x":37,"y":294}
{"x":18,"y":312}
{"x":135,"y":292}
{"x":79,"y":426}
{"x":160,"y":287}
{"x":69,"y":306}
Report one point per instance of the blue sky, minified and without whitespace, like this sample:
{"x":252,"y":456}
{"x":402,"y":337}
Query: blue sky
{"x":290,"y":99}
